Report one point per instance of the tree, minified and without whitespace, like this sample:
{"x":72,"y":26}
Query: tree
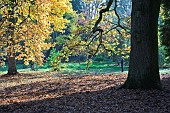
{"x":78,"y":5}
{"x":143,"y":68}
{"x":25,"y":28}
{"x":110,"y":38}
{"x":165,"y":28}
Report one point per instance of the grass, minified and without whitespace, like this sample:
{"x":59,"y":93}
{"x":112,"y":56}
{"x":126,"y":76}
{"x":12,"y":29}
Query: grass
{"x":95,"y":68}
{"x":26,"y":69}
{"x":75,"y":68}
{"x":79,"y":68}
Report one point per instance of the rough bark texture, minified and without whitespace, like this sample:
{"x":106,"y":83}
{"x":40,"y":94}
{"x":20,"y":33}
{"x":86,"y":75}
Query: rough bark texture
{"x":12,"y":70}
{"x":143,"y":67}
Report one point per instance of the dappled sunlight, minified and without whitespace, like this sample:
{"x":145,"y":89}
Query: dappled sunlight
{"x":77,"y":94}
{"x":32,"y":87}
{"x":10,"y":80}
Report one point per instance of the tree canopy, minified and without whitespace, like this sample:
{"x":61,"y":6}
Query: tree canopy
{"x":25,"y":27}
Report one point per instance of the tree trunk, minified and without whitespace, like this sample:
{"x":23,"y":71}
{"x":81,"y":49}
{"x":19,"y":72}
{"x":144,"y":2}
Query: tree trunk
{"x":12,"y":70}
{"x":143,"y":67}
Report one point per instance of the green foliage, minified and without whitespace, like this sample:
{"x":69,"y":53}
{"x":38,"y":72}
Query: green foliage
{"x":61,"y":39}
{"x":71,"y":26}
{"x":162,"y":58}
{"x":78,"y":5}
{"x":165,"y":27}
{"x":52,"y":59}
{"x":101,"y":57}
{"x":80,"y":40}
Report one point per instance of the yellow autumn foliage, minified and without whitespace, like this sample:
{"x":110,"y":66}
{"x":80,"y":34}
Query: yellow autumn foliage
{"x":26,"y":25}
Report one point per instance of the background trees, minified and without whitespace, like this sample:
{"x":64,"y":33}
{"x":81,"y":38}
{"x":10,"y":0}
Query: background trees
{"x":165,"y":27}
{"x":114,"y":40}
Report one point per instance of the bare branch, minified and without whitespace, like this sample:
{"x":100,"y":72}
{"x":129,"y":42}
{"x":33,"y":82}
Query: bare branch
{"x":101,"y":16}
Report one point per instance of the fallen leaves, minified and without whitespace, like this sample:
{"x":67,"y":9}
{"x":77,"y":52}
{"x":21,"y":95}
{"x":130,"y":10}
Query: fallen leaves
{"x":76,"y":94}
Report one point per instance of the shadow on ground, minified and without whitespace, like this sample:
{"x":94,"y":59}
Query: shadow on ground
{"x":84,"y":95}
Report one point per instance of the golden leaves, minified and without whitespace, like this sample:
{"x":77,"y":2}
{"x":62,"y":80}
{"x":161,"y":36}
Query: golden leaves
{"x":32,"y":28}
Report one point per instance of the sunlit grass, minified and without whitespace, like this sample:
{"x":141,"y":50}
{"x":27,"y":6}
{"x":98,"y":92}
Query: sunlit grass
{"x":95,"y":68}
{"x":79,"y":68}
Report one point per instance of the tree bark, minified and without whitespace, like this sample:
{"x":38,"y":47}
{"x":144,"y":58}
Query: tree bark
{"x":12,"y":70}
{"x":143,"y":67}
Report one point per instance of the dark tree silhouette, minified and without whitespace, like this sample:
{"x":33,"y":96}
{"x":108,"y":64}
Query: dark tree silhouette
{"x":143,"y":67}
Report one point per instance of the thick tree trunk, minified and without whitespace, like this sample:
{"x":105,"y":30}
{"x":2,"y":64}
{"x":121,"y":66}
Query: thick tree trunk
{"x":143,"y":67}
{"x":12,"y":70}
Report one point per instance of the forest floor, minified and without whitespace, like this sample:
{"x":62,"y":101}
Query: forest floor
{"x":60,"y":93}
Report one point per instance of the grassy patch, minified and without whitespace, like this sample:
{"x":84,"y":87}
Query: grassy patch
{"x":95,"y":68}
{"x":78,"y":68}
{"x":74,"y":68}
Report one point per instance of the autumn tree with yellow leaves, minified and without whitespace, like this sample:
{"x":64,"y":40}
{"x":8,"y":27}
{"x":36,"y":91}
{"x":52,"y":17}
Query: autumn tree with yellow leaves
{"x":25,"y":26}
{"x":112,"y":36}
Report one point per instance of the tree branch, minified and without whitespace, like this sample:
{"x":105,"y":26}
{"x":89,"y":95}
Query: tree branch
{"x":101,"y":16}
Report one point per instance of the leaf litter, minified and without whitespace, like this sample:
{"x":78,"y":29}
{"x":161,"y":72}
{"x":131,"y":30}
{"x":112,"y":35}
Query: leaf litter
{"x":44,"y":93}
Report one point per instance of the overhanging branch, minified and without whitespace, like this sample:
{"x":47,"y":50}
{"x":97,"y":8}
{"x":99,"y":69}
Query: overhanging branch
{"x":95,"y":28}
